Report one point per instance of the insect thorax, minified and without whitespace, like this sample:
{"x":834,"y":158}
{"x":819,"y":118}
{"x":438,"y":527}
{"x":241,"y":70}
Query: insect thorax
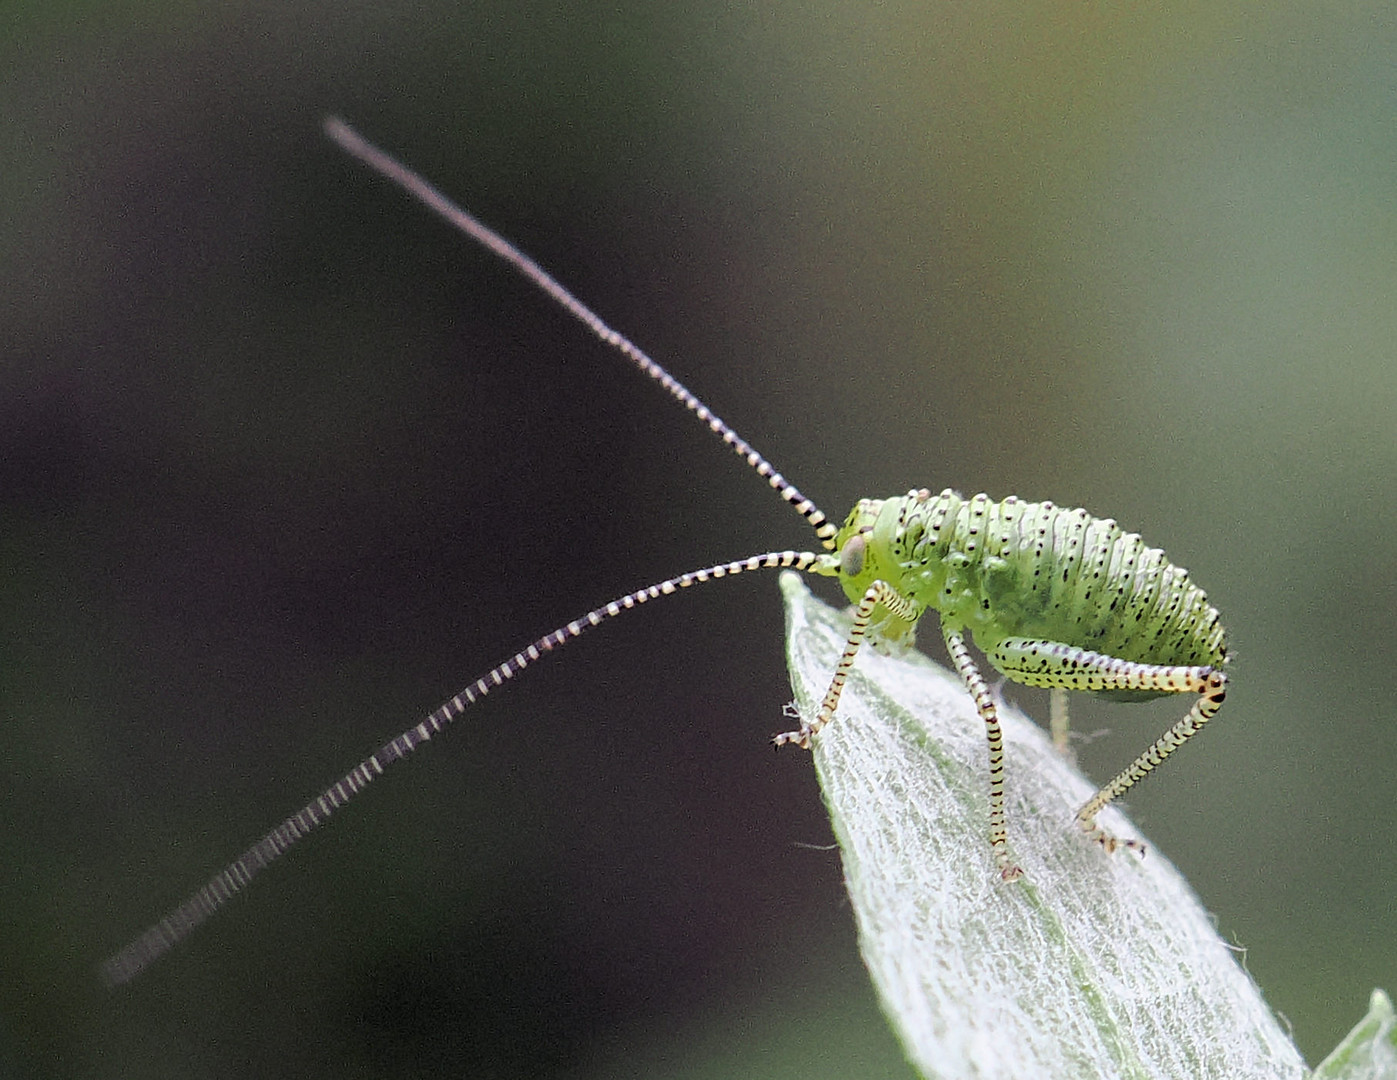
{"x":1029,"y":569}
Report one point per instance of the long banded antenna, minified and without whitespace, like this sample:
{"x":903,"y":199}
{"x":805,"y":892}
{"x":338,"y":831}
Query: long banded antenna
{"x":383,"y":164}
{"x":232,"y":879}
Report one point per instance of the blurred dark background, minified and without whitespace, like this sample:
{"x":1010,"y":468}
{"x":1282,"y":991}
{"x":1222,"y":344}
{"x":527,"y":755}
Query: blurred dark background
{"x":284,"y":463}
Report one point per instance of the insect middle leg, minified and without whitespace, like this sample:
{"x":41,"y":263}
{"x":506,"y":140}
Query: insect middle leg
{"x":1066,"y":667}
{"x":989,"y":713}
{"x":1057,"y":721}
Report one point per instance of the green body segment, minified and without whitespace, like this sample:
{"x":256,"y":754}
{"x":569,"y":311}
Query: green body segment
{"x":1054,"y":597}
{"x":1018,"y":569}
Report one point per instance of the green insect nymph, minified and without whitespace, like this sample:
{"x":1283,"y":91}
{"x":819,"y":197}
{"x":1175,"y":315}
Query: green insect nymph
{"x":1052,"y":597}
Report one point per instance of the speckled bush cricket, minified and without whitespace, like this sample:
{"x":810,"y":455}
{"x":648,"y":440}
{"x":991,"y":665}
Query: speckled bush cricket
{"x":1052,"y":597}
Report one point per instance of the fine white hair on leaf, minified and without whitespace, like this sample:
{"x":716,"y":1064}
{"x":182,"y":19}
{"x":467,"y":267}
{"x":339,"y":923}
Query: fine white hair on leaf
{"x":1092,"y":965}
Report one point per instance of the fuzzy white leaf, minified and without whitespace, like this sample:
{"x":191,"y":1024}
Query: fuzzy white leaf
{"x":1090,"y":966}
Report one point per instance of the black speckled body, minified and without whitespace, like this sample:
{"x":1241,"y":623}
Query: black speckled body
{"x":1035,"y":570}
{"x":1054,"y":597}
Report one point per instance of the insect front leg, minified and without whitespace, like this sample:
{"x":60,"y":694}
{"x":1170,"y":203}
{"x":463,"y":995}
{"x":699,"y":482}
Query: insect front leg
{"x":989,"y":713}
{"x":892,"y":601}
{"x":1066,"y":667}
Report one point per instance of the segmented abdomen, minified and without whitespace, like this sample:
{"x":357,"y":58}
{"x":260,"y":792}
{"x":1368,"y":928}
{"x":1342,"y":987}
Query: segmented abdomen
{"x":1028,"y":569}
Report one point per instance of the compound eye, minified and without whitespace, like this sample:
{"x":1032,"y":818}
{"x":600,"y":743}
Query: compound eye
{"x":852,"y":555}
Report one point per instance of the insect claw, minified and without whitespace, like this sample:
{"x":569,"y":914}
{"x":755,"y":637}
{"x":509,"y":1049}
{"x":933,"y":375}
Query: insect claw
{"x":1109,"y":843}
{"x":801,"y":738}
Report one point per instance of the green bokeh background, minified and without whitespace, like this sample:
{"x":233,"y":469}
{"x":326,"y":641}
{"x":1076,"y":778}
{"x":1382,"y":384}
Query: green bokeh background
{"x":283,"y":464}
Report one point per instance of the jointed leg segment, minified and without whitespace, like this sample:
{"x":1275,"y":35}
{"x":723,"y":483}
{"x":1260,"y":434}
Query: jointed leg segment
{"x":1064,"y":667}
{"x":880,"y":592}
{"x":989,"y":713}
{"x":1036,"y":663}
{"x":1057,"y":721}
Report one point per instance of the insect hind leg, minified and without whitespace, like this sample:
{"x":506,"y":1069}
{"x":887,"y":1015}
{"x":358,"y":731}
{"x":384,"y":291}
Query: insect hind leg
{"x":1066,"y":667}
